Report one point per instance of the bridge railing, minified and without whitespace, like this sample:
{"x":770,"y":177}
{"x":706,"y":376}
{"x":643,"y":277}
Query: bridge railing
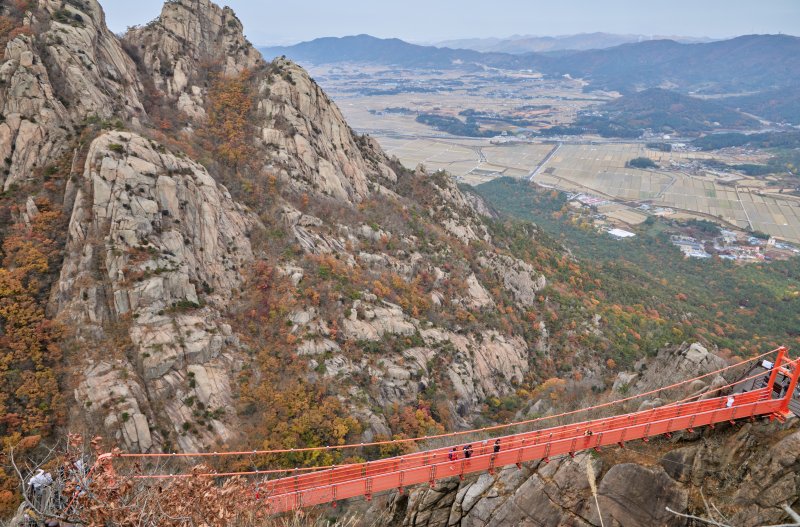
{"x":525,"y":438}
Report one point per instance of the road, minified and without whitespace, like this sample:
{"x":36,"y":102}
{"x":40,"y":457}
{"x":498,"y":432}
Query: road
{"x":544,"y":161}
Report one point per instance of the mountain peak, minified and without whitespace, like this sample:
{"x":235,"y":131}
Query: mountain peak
{"x":189,"y":33}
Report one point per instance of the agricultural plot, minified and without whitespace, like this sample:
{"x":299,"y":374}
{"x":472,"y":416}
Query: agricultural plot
{"x":773,"y":215}
{"x":456,"y":158}
{"x":471,"y":161}
{"x":705,"y":197}
{"x":600,"y":169}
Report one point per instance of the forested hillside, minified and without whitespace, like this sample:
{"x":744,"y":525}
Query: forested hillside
{"x":736,"y":308}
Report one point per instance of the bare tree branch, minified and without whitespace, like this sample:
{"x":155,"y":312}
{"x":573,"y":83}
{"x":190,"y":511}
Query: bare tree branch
{"x":791,"y":513}
{"x":698,"y":518}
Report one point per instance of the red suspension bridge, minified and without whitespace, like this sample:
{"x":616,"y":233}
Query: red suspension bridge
{"x":768,"y":389}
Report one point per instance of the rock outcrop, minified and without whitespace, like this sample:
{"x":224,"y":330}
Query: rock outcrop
{"x":78,"y":72}
{"x":518,"y":277}
{"x":309,"y":144}
{"x":190,"y":37}
{"x":672,"y":365}
{"x":554,"y":494}
{"x":300,"y":133}
{"x":157,"y":246}
{"x":35,"y":124}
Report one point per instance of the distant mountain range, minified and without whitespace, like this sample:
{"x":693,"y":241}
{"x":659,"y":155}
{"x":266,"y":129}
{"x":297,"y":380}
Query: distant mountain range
{"x":742,"y":64}
{"x":519,"y":44}
{"x":372,"y":50}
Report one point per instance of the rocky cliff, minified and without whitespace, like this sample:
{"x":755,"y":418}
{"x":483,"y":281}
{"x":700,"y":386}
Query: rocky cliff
{"x":298,"y":133}
{"x":157,"y":253}
{"x":157,"y":245}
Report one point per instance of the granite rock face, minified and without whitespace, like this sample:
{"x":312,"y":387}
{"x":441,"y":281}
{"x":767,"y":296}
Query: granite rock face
{"x":157,"y":251}
{"x":157,"y":245}
{"x":75,"y":69}
{"x":518,"y":277}
{"x":183,"y":41}
{"x":300,"y":134}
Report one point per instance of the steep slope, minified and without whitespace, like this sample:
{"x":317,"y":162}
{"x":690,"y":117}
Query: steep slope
{"x":155,"y":284}
{"x":64,"y":66}
{"x":157,"y":247}
{"x":296,"y":131}
{"x":190,"y":38}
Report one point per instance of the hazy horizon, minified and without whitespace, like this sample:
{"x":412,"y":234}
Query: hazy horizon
{"x":464,"y":19}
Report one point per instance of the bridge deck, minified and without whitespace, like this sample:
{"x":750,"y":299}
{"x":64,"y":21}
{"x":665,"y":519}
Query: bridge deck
{"x":365,"y":479}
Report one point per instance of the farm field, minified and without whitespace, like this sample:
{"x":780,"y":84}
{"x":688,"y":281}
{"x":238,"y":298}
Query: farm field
{"x":472,"y":161}
{"x":364,"y":92}
{"x":385,"y":102}
{"x":776,"y":216}
{"x":600,"y":169}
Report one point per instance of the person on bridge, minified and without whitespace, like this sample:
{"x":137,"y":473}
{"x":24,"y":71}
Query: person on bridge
{"x":497,"y":446}
{"x":730,"y":401}
{"x":467,"y":451}
{"x":453,"y":454}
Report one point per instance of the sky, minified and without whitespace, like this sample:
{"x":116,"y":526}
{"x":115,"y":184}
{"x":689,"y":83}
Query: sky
{"x":269,"y":22}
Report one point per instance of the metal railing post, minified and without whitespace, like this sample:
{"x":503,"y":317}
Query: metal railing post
{"x":791,"y":389}
{"x":775,"y":367}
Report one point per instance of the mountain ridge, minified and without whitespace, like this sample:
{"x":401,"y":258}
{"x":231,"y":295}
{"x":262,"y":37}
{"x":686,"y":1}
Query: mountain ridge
{"x":519,"y":44}
{"x":748,"y":62}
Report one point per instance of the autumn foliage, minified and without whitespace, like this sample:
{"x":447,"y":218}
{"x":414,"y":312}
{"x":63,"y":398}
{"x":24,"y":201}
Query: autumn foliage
{"x":229,"y":132}
{"x":288,"y":410}
{"x":30,"y":402}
